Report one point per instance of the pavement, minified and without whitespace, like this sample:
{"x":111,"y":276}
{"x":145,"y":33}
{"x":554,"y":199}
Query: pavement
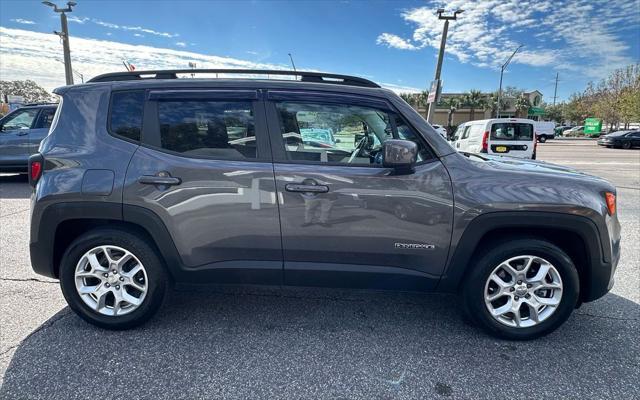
{"x":214,"y":342}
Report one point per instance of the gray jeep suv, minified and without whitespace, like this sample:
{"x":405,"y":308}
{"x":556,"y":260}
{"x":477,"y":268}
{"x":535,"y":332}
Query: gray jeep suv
{"x":321,"y":180}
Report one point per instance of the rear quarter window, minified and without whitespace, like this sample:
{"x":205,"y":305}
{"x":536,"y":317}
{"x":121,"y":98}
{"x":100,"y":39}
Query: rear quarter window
{"x":125,"y":119}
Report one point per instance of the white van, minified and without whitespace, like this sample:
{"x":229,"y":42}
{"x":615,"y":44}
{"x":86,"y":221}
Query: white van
{"x":513,"y":137}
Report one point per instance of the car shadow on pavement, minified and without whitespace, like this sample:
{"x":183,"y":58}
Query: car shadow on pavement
{"x":14,"y":186}
{"x":320,"y":343}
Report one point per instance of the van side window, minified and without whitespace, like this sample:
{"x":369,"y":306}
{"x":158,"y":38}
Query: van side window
{"x":126,"y":114}
{"x":207,"y":128}
{"x":511,"y":131}
{"x":342,"y":133}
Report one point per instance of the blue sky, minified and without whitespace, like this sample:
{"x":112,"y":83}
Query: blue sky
{"x":391,"y":42}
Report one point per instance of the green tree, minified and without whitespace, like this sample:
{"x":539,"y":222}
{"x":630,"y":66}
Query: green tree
{"x":522,"y":106}
{"x":31,"y":91}
{"x":474,"y":99}
{"x":451,"y":104}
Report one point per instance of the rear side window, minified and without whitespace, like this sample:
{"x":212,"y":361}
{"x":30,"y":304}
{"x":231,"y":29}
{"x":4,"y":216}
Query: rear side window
{"x":204,"y":128}
{"x":126,"y":114}
{"x":511,"y":131}
{"x":46,"y":118}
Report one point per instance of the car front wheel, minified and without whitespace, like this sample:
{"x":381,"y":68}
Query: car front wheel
{"x":113,"y":278}
{"x":521,"y":289}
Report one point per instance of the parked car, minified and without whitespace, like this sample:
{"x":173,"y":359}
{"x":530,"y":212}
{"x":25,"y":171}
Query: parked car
{"x":513,"y":137}
{"x":621,"y":139}
{"x":544,"y":130}
{"x":125,"y":204}
{"x":440,"y":129}
{"x":20,"y":134}
{"x":574,"y":132}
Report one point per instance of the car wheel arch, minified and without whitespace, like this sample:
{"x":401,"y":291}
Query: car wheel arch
{"x":578,"y":236}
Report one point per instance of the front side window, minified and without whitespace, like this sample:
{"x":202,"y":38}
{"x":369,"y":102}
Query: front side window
{"x":203,"y":128}
{"x":22,"y":119}
{"x":511,"y":131}
{"x":126,"y":114}
{"x":343,"y":134}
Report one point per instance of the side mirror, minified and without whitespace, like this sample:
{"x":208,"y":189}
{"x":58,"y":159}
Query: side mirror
{"x":401,"y":155}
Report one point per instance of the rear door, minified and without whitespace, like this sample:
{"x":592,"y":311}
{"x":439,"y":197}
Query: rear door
{"x":15,"y":136}
{"x":346,"y":220}
{"x":205,"y":169}
{"x":513,"y":139}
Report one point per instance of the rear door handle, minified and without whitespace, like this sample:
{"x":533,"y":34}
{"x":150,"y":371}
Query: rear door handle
{"x":159,"y":180}
{"x":296,"y":187}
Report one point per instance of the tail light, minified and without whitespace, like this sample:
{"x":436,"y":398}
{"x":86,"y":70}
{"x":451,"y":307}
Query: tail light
{"x":535,"y":142}
{"x":36,"y":167}
{"x":611,"y":202}
{"x":485,"y":142}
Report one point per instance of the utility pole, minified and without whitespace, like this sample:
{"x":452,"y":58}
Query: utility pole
{"x":502,"y":68}
{"x":64,"y":35}
{"x":292,"y":64}
{"x":555,"y":91}
{"x":443,"y":42}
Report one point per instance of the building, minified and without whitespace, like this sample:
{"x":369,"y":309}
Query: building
{"x":465,"y":113}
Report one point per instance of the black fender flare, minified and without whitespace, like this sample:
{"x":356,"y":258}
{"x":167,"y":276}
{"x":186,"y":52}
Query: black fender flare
{"x":596,"y":242}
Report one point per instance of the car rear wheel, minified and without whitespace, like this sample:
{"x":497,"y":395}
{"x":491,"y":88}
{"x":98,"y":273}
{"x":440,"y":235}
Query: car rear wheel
{"x":542,"y":139}
{"x":113,"y":279}
{"x":521,"y":289}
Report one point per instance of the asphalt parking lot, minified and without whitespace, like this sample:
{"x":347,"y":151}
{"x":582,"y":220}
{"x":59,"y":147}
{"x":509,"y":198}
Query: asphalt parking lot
{"x":293,"y":343}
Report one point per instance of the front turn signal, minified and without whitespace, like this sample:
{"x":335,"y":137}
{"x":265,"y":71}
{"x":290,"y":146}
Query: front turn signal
{"x":611,"y":202}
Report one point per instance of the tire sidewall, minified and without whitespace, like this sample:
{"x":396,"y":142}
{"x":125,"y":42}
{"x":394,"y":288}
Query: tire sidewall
{"x":475,"y":286}
{"x":156,"y":277}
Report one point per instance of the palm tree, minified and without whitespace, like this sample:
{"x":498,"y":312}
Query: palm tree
{"x":493,"y":104}
{"x":522,"y":106}
{"x":452,"y":103}
{"x":408,"y":97}
{"x":475,"y":100}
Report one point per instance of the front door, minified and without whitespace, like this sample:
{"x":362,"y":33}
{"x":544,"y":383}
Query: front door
{"x":205,"y":169}
{"x":15,"y":136}
{"x":346,"y":221}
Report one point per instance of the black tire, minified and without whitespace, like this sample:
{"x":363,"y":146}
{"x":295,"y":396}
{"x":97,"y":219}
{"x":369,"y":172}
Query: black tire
{"x":626,"y":145}
{"x":543,"y":139}
{"x":474,"y":286}
{"x":157,"y":278}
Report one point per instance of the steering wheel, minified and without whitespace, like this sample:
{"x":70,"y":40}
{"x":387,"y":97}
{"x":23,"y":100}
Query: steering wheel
{"x":358,"y":149}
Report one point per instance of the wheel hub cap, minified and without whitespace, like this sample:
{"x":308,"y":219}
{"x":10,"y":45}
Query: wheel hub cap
{"x":523,"y":291}
{"x":111,"y":280}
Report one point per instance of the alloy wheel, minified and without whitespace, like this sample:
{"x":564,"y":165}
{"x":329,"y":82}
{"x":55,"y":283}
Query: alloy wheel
{"x":523,"y":291}
{"x":111,"y":280}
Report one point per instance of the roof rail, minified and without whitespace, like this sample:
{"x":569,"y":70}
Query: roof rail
{"x":305,"y":76}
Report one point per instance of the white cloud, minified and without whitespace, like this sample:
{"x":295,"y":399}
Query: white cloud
{"x":138,"y":35}
{"x":181,"y":44}
{"x":578,"y":35}
{"x":395,"y":41}
{"x":34,"y":55}
{"x":23,"y":21}
{"x":110,"y":25}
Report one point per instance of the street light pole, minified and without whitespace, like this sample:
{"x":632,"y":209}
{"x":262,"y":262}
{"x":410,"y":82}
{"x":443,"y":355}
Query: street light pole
{"x":64,"y":35}
{"x":292,"y":64}
{"x":502,"y":68}
{"x":443,"y":43}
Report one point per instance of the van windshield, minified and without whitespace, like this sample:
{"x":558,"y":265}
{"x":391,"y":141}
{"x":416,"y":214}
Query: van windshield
{"x":512,"y":131}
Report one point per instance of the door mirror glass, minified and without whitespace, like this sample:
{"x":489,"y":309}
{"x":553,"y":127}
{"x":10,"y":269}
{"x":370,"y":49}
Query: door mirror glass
{"x":400,"y":155}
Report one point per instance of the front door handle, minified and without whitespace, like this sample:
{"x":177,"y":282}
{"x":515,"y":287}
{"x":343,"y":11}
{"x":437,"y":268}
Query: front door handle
{"x":298,"y":187}
{"x":160,"y":179}
{"x":22,"y":133}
